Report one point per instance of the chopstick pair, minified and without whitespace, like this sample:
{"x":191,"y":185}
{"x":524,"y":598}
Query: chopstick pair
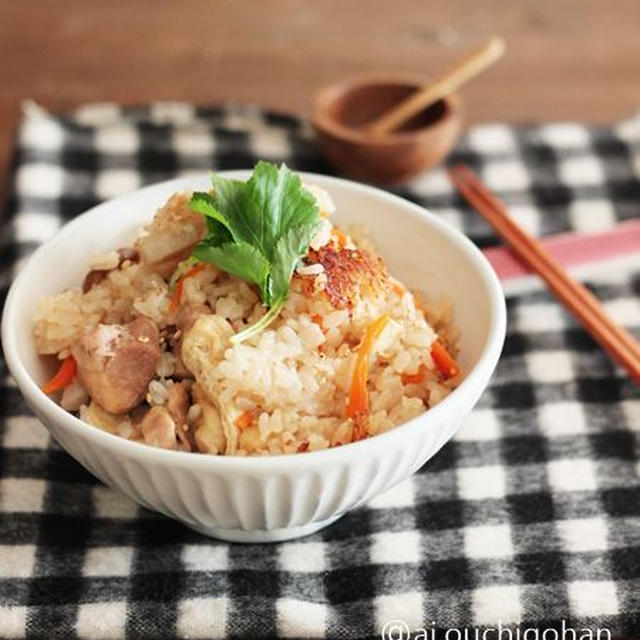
{"x":586,"y":308}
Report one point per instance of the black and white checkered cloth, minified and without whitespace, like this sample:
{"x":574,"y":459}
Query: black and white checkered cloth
{"x":530,"y":517}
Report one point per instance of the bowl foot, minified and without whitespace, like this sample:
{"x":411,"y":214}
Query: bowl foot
{"x":263,"y":535}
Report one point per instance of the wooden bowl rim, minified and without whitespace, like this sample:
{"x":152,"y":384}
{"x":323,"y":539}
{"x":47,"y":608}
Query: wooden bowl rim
{"x":334,"y":128}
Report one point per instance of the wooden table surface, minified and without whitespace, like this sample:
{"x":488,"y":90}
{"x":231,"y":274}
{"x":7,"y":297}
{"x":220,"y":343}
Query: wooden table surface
{"x":569,"y":59}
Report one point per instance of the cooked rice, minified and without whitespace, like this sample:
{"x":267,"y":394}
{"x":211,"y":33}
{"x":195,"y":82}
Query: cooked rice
{"x":284,"y":390}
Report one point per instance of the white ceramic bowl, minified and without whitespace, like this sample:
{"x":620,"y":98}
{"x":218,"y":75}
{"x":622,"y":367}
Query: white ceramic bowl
{"x":280,"y":497}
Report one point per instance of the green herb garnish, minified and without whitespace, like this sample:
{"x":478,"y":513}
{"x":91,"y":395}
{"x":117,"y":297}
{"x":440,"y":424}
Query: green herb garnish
{"x":258,"y":230}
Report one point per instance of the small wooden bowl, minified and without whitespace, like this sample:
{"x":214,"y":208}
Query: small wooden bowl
{"x":342,"y":109}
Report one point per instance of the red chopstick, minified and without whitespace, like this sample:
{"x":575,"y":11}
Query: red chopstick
{"x":587,"y":309}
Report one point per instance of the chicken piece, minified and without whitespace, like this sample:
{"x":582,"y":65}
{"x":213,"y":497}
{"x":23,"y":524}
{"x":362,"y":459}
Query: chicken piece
{"x":178,"y":402}
{"x":158,"y":428}
{"x":116,"y":363}
{"x":209,"y":432}
{"x":171,"y":236}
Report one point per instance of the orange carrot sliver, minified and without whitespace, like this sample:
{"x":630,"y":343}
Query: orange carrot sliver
{"x":397,"y":288}
{"x":63,"y":377}
{"x":175,"y":298}
{"x":177,"y":294}
{"x":445,"y":363}
{"x":415,"y":378}
{"x":340,"y":237}
{"x":358,"y":400}
{"x":245,"y":420}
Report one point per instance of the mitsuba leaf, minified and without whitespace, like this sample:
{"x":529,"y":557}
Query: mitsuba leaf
{"x":204,"y":203}
{"x":239,"y":259}
{"x":218,"y":233}
{"x":258,"y":230}
{"x":263,"y":209}
{"x":289,"y":249}
{"x":230,"y":200}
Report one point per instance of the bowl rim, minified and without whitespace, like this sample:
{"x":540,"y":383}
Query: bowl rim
{"x":329,"y":126}
{"x":478,"y":375}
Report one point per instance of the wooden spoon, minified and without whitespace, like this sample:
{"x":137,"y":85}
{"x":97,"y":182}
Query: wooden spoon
{"x":449,"y":82}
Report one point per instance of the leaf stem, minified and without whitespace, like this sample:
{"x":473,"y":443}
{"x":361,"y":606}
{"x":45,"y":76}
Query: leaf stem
{"x":259,"y":326}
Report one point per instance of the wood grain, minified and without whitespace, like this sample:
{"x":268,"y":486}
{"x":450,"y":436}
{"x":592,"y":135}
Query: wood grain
{"x":576,"y":59}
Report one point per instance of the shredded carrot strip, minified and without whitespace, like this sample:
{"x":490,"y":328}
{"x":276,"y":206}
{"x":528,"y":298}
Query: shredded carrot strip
{"x":317,"y":319}
{"x":447,"y":365}
{"x":340,"y":237}
{"x":398,"y":289}
{"x":245,"y":420}
{"x":415,"y":378}
{"x":63,"y":378}
{"x":177,"y":293}
{"x":358,"y":400}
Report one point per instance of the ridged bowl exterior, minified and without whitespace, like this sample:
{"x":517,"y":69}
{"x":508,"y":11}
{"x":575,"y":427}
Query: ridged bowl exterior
{"x":253,"y":499}
{"x":273,"y":504}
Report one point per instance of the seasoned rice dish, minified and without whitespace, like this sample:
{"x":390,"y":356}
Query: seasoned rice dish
{"x":205,"y":336}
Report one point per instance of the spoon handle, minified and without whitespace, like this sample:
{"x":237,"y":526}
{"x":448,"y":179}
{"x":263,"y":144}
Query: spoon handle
{"x":454,"y":78}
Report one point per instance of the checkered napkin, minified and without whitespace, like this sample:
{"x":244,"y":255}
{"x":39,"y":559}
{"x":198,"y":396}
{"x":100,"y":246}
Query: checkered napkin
{"x":529,"y":517}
